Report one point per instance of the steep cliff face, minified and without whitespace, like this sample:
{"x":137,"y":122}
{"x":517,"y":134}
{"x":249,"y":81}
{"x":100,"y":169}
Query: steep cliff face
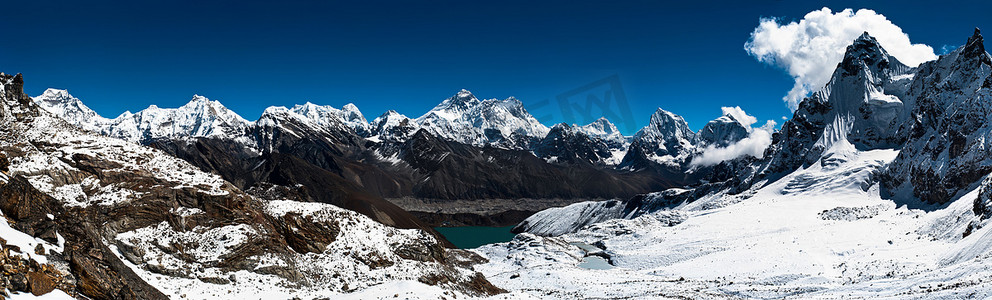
{"x":862,"y":103}
{"x":568,"y":145}
{"x":665,"y":143}
{"x":948,"y":131}
{"x":116,"y":220}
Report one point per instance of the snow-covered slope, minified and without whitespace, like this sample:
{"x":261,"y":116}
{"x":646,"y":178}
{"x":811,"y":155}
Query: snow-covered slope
{"x":876,"y":188}
{"x":140,"y":224}
{"x":820,"y":232}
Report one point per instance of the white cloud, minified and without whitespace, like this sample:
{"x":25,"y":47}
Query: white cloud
{"x":738,"y":114}
{"x":811,"y":49}
{"x":753,"y":145}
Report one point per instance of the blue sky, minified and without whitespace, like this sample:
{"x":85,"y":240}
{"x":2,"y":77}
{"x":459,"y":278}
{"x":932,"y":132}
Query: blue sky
{"x":688,"y":58}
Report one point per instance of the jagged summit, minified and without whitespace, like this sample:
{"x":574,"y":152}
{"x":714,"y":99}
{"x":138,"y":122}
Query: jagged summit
{"x":866,"y":53}
{"x":666,"y":141}
{"x":328,"y":117}
{"x":975,"y":43}
{"x":665,"y":123}
{"x":975,"y":47}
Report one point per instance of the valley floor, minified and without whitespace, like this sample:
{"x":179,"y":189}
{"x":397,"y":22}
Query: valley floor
{"x":477,"y":212}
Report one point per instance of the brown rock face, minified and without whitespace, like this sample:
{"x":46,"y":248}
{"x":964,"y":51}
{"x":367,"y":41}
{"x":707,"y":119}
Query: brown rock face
{"x":40,"y":283}
{"x":304,"y":234}
{"x":4,"y":163}
{"x":98,"y":272}
{"x":28,"y":208}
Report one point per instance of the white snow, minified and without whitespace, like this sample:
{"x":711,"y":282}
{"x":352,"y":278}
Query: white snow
{"x":771,"y":243}
{"x":53,"y":295}
{"x":27,"y":243}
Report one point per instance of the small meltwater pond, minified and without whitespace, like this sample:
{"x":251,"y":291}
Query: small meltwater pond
{"x":592,"y":260}
{"x":595,"y":263}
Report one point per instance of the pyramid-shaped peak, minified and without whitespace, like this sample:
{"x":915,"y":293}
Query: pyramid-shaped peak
{"x":865,"y":43}
{"x":464,"y":94}
{"x":350,"y":107}
{"x":866,"y":51}
{"x":200,"y":102}
{"x":975,"y":45}
{"x":462,"y":100}
{"x":664,"y":115}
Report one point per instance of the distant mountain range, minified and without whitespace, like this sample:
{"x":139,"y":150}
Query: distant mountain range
{"x":464,"y":148}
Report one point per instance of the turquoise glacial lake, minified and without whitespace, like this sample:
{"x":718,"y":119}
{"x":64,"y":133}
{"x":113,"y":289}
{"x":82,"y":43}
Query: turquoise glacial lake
{"x":474,"y":236}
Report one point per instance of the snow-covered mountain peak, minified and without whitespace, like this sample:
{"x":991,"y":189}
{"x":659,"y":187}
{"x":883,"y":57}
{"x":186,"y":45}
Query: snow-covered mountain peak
{"x":392,"y":126}
{"x":601,"y":127}
{"x":464,"y":94}
{"x":63,"y":104}
{"x":560,"y":126}
{"x":459,"y":103}
{"x":975,"y":45}
{"x":60,"y":94}
{"x":665,"y":123}
{"x":202,"y":108}
{"x":324,"y":115}
{"x":734,"y":125}
{"x":328,"y":116}
{"x":305,"y":108}
{"x":666,"y":140}
{"x":350,"y":112}
{"x":465,"y":119}
{"x":865,"y":54}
